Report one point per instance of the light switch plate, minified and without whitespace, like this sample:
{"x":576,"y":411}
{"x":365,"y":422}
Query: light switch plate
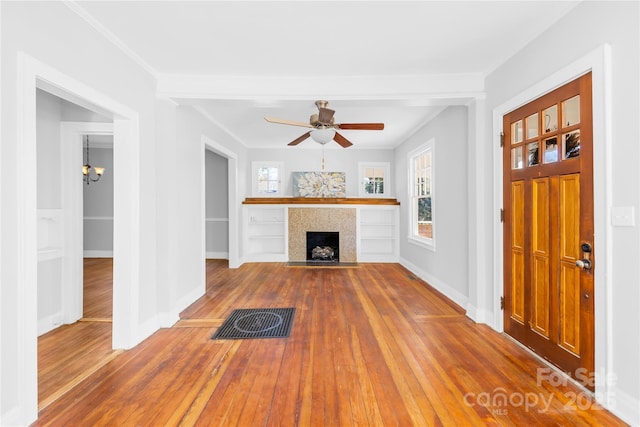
{"x":623,"y":216}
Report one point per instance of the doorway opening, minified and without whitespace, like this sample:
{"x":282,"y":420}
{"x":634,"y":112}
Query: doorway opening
{"x":213,"y":151}
{"x":216,"y":185}
{"x":127,"y":218}
{"x":75,"y":294}
{"x":97,"y":232}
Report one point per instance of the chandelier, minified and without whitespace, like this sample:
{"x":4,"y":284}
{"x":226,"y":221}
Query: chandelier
{"x":87,"y":175}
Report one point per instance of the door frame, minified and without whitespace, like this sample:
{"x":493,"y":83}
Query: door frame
{"x":598,"y":62}
{"x":233,"y":203}
{"x":71,"y":145}
{"x":33,"y":74}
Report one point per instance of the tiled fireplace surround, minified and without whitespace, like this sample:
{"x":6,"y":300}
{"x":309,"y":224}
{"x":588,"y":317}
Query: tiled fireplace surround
{"x":342,"y":220}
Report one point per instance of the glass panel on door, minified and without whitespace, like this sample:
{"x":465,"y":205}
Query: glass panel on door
{"x":516,"y":132}
{"x":551,"y":119}
{"x":516,"y":158}
{"x":532,"y":126}
{"x":571,"y":111}
{"x":533,"y":158}
{"x":551,"y":150}
{"x":571,"y":144}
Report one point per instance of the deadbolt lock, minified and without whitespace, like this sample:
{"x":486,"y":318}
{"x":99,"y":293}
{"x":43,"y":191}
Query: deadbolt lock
{"x":585,"y":262}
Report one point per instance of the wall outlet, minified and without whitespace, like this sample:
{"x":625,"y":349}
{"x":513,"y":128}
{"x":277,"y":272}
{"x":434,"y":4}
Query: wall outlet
{"x":56,"y":319}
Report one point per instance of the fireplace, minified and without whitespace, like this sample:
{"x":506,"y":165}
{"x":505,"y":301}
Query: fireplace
{"x":323,"y":246}
{"x":338,"y":220}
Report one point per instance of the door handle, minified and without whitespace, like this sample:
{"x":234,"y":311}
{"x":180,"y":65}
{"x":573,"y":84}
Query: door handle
{"x":584,"y":264}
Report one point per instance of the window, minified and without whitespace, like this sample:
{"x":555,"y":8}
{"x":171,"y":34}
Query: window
{"x":374,"y":180}
{"x":552,"y":134}
{"x":267,"y":179}
{"x":421,"y":189}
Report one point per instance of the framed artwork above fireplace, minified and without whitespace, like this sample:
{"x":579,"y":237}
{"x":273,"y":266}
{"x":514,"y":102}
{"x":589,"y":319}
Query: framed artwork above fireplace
{"x":319,"y":184}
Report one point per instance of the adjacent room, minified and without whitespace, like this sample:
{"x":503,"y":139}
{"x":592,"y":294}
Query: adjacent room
{"x":319,"y":213}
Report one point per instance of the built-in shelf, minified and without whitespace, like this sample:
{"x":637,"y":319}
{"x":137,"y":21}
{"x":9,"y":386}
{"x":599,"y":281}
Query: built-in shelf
{"x":266,"y":228}
{"x":378,"y":234}
{"x":265,"y":233}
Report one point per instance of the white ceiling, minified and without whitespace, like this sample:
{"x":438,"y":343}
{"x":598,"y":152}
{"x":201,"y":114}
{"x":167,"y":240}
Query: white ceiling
{"x":375,"y":61}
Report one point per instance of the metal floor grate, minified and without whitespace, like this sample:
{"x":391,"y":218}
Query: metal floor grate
{"x":247,"y":323}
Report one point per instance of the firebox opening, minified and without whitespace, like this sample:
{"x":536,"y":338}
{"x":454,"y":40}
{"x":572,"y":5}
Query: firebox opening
{"x":323,"y":246}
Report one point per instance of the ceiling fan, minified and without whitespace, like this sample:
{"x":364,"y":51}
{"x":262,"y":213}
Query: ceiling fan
{"x":324,"y":128}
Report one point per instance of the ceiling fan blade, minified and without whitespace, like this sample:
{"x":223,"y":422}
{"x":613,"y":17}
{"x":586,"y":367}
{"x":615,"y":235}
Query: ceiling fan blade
{"x":299,"y":139}
{"x":325,"y":115}
{"x":361,"y":126}
{"x":287,"y":122}
{"x":344,"y":142}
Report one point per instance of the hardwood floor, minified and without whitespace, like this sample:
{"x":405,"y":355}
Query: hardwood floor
{"x":97,"y":299}
{"x":371,"y":345}
{"x":69,"y":354}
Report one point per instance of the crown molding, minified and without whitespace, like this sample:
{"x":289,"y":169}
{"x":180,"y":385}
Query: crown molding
{"x":216,"y":123}
{"x":461,"y":87}
{"x":93,"y":22}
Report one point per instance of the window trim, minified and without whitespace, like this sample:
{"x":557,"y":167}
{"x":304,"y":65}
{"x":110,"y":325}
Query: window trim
{"x":412,"y":236}
{"x":386,"y":166}
{"x":254,"y":178}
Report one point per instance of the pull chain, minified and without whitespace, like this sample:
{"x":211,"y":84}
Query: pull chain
{"x":322,"y":156}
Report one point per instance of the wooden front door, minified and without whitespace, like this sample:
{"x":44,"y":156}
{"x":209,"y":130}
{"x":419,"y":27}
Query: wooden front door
{"x":548,"y":227}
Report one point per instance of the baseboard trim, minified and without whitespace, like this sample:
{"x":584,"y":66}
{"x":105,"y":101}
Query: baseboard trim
{"x":438,"y":284}
{"x":13,"y":417}
{"x":97,"y":254}
{"x":480,"y":316}
{"x":624,"y":406}
{"x":170,"y":318}
{"x":217,"y":255}
{"x":49,"y":323}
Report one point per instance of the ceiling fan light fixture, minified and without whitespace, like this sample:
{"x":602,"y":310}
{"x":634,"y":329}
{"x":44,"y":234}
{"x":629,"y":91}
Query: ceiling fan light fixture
{"x":323,"y":135}
{"x":323,"y":128}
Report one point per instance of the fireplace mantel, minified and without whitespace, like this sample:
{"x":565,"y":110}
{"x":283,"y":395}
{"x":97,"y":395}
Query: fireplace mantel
{"x":318,"y":201}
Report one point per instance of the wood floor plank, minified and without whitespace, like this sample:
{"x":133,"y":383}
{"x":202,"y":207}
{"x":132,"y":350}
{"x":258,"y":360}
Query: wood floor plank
{"x":369,"y":346}
{"x":349,"y":394}
{"x":420,"y":408}
{"x":98,"y":288}
{"x":289,"y":384}
{"x":203,"y":390}
{"x":67,"y":354}
{"x":372,"y":409}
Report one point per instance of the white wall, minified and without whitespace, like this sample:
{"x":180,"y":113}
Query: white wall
{"x":53,"y":35}
{"x":587,"y":28}
{"x":446,"y":268}
{"x":47,"y":169}
{"x":336,"y":159}
{"x":167,"y":184}
{"x":182,"y":205}
{"x":49,"y":115}
{"x":97,"y":199}
{"x":217,"y":205}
